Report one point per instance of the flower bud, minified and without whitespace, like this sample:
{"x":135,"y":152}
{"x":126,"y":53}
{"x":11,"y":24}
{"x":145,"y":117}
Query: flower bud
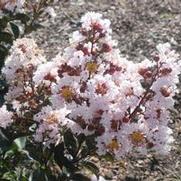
{"x":165,"y":91}
{"x":156,"y":58}
{"x":50,"y":78}
{"x":91,"y":127}
{"x":81,"y":122}
{"x":84,"y":32}
{"x":147,"y":75}
{"x":106,"y":48}
{"x":79,"y":47}
{"x":100,"y":130}
{"x":83,"y":49}
{"x":102,"y":35}
{"x":142,"y":71}
{"x":158,"y":111}
{"x":165,"y":71}
{"x":23,"y":48}
{"x":125,"y":119}
{"x":149,"y":145}
{"x":97,"y":27}
{"x":101,"y":89}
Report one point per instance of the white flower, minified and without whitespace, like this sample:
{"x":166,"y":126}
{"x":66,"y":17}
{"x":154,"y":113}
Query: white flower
{"x":89,"y":18}
{"x":48,"y":69}
{"x":23,"y":53}
{"x":49,"y":124}
{"x":76,"y":37}
{"x":5,"y":117}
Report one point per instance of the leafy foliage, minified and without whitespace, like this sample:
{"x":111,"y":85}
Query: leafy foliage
{"x":60,"y":162}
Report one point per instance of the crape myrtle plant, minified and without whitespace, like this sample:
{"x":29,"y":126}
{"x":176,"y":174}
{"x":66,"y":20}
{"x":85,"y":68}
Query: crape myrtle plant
{"x":88,"y":101}
{"x":18,"y":18}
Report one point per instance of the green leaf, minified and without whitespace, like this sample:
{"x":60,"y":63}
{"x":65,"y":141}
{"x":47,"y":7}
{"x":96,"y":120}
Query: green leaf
{"x":9,"y":176}
{"x":39,"y":175}
{"x":20,"y":143}
{"x":70,"y":142}
{"x":1,"y":100}
{"x":84,"y":151}
{"x":6,"y":37}
{"x":3,"y":22}
{"x":3,"y":89}
{"x":32,"y":27}
{"x":90,"y":142}
{"x":15,"y":30}
{"x":59,"y":154}
{"x":3,"y":53}
{"x":92,"y":167}
{"x":4,"y":142}
{"x":60,"y":158}
{"x":24,"y":18}
{"x":81,"y":138}
{"x":35,"y":151}
{"x":80,"y":177}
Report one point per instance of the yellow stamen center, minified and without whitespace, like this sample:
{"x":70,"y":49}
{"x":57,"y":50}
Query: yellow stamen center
{"x":52,"y":119}
{"x":67,"y":93}
{"x":113,"y":145}
{"x":91,"y":67}
{"x":137,"y":137}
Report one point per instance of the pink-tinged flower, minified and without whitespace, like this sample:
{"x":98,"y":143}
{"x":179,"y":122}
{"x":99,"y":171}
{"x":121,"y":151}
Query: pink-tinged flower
{"x":91,"y":89}
{"x":6,"y":117}
{"x":50,"y":123}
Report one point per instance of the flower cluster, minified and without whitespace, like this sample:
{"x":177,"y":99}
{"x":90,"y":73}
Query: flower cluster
{"x":23,"y":97}
{"x":91,"y":89}
{"x":50,"y":124}
{"x":24,"y":57}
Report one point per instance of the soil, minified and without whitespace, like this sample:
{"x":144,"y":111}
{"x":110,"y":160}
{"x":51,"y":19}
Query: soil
{"x":138,"y":25}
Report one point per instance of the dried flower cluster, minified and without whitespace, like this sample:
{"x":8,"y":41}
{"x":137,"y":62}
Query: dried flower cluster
{"x":91,"y":89}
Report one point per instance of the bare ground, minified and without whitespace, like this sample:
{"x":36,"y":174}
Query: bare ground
{"x":138,"y":25}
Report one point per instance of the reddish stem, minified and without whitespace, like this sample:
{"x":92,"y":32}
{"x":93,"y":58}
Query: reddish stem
{"x":145,"y":94}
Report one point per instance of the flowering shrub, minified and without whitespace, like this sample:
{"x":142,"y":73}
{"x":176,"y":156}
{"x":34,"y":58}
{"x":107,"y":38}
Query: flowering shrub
{"x":18,"y":18}
{"x":87,"y":101}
